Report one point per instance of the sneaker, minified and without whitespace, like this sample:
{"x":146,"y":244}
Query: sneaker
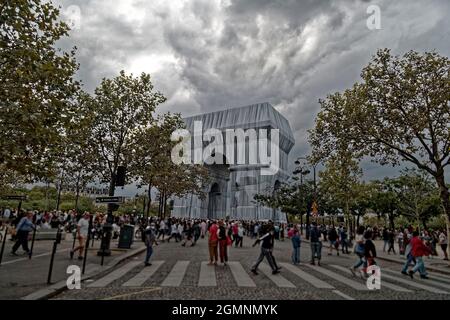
{"x":71,"y":254}
{"x":312,"y":263}
{"x":405,"y":273}
{"x":411,"y":274}
{"x":254,"y":272}
{"x":353,"y":271}
{"x":13,"y":254}
{"x":147,"y":264}
{"x":275,"y":271}
{"x":424,"y":277}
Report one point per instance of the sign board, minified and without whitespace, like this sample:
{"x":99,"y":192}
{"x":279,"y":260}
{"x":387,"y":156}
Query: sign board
{"x":14,"y":197}
{"x":109,"y":200}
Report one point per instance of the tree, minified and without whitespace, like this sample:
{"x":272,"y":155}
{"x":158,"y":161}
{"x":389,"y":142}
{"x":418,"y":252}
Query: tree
{"x":400,"y":111}
{"x":151,"y":162}
{"x":120,"y":107}
{"x":384,"y":201}
{"x":36,"y":85}
{"x":76,"y":161}
{"x":416,"y":196}
{"x":340,"y":180}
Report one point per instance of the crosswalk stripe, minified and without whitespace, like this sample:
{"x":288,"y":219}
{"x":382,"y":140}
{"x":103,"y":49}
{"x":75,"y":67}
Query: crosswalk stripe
{"x":438,"y":277}
{"x":142,"y":276}
{"x":343,"y":295}
{"x":316,"y":282}
{"x":413,"y":283}
{"x":279,"y":280}
{"x":353,"y":284}
{"x":240,"y":275}
{"x":207,"y":275}
{"x":116,"y":274}
{"x":383,"y":282}
{"x":429,"y":281}
{"x":176,"y":275}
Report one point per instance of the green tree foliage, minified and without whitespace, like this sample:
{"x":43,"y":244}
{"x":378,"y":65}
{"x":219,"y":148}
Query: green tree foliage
{"x":119,"y":108}
{"x":36,"y":85}
{"x":400,"y":111}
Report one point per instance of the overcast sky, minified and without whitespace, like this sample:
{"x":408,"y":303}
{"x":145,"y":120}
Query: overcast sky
{"x":206,"y":55}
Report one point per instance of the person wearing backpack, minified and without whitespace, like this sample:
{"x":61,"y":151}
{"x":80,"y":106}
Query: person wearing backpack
{"x":370,"y":252}
{"x":359,"y":249}
{"x":333,"y":237}
{"x":316,"y":244}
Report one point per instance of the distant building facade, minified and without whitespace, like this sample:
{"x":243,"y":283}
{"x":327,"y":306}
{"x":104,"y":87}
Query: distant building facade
{"x":233,"y":185}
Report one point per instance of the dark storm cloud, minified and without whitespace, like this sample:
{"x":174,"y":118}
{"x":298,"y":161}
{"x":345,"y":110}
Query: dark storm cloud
{"x":209,"y":54}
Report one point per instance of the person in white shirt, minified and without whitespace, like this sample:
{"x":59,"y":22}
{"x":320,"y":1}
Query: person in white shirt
{"x":82,"y":233}
{"x":6,"y":213}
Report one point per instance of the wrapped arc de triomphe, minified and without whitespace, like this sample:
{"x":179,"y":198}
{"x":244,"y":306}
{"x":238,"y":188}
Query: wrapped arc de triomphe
{"x":233,"y":184}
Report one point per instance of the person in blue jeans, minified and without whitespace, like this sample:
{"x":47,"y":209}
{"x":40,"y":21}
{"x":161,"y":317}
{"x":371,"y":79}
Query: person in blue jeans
{"x":359,"y":249}
{"x":409,"y":259}
{"x":296,"y":241}
{"x":150,"y":239}
{"x":316,"y":244}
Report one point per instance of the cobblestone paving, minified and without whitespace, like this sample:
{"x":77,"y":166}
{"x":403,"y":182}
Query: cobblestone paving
{"x":227,"y":288}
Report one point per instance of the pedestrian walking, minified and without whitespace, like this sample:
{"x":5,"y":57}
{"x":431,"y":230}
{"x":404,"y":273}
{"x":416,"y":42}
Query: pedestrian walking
{"x":223,"y":242}
{"x":333,"y":238}
{"x":409,"y":258}
{"x":370,"y":252}
{"x":82,"y":233}
{"x":266,"y":241}
{"x":359,"y":249}
{"x":213,"y":243}
{"x":418,"y":250}
{"x":240,"y":235}
{"x":150,"y":239}
{"x":316,"y":244}
{"x":23,"y":228}
{"x":391,"y":240}
{"x":296,"y":242}
{"x":385,"y":236}
{"x":344,"y":240}
{"x":443,"y":242}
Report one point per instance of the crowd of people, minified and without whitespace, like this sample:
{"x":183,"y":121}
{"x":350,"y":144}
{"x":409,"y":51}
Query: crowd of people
{"x":222,"y":234}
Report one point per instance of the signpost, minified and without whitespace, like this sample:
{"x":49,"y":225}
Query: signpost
{"x":113,"y":205}
{"x":109,"y":200}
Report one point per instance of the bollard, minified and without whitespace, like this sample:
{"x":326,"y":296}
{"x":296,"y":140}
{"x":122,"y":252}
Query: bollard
{"x":55,"y":244}
{"x":3,"y":244}
{"x":103,"y":249}
{"x":74,"y":234}
{"x":32,"y":243}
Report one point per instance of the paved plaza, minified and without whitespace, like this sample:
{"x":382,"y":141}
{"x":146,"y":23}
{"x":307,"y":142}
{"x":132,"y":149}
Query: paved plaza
{"x":182,"y":273}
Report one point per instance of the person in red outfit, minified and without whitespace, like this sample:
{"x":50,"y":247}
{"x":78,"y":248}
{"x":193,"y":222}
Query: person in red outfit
{"x":418,"y":250}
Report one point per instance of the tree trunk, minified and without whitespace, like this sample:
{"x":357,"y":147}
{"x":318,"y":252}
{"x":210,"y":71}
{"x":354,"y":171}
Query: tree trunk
{"x":78,"y":193}
{"x":391,"y":220}
{"x":444,"y":193}
{"x":149,"y":193}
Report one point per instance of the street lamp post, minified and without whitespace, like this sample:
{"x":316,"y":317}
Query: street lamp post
{"x":300,"y":169}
